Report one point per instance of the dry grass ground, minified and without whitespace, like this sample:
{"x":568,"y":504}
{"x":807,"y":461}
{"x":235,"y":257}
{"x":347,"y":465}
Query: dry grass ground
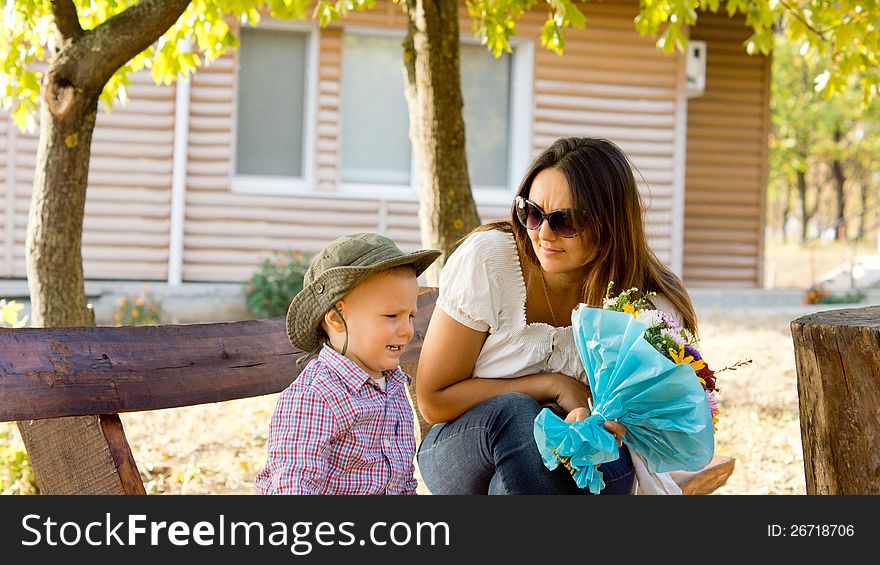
{"x":759,"y":425}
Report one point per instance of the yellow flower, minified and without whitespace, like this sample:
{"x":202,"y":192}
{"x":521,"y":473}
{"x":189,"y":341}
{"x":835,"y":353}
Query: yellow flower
{"x":680,"y":358}
{"x":630,"y":309}
{"x":139,"y":302}
{"x":135,"y":313}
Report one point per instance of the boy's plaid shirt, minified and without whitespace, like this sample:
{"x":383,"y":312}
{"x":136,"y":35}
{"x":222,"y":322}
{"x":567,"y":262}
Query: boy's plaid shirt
{"x":334,"y":431}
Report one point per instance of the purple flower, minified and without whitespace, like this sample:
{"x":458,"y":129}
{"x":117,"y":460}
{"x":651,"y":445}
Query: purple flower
{"x":692,"y":352}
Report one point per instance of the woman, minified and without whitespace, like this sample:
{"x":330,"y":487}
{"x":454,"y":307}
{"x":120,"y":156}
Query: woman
{"x":500,"y":345}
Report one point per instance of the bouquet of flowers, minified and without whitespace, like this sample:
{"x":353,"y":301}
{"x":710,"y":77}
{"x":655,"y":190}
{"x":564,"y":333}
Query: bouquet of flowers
{"x":641,"y":370}
{"x":667,"y":337}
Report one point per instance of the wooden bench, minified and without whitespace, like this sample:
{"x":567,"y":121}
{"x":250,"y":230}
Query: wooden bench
{"x":103,"y":371}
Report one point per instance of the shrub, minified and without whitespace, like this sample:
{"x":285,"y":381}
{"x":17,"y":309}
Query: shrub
{"x":270,"y":289}
{"x":820,"y":295}
{"x":138,"y":310}
{"x":848,"y":298}
{"x":815,"y":294}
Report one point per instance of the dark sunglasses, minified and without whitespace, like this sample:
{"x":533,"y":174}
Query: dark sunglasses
{"x":531,"y":216}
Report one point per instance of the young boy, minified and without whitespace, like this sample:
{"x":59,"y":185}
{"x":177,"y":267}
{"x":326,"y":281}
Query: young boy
{"x":345,"y":426}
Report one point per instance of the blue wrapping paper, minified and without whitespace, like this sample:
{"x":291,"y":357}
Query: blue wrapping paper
{"x":662,"y":404}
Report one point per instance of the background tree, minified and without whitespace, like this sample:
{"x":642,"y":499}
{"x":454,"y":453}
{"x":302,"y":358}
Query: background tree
{"x":818,"y":143}
{"x":866,"y":164}
{"x":447,"y":210}
{"x":792,"y":138}
{"x":92,"y":45}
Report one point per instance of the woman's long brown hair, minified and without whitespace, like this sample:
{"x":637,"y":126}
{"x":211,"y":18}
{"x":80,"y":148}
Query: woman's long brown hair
{"x":603,"y":187}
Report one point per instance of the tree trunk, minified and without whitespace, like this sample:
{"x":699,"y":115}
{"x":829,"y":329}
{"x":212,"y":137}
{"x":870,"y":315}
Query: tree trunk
{"x":837,"y":356}
{"x":786,"y":211}
{"x":447,"y":210}
{"x":54,"y":233}
{"x":840,"y":195}
{"x":805,"y":213}
{"x":863,"y":209}
{"x":87,"y":454}
{"x":84,"y":454}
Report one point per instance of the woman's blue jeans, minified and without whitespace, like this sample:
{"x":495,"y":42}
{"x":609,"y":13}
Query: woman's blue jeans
{"x":490,"y":449}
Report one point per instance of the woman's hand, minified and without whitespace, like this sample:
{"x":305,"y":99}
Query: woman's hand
{"x":615,"y":428}
{"x":567,"y":392}
{"x":577,"y":415}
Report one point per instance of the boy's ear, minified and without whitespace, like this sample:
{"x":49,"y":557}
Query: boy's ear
{"x":332,"y":319}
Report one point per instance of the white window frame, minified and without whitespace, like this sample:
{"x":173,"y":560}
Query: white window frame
{"x":520,"y":129}
{"x":270,"y":185}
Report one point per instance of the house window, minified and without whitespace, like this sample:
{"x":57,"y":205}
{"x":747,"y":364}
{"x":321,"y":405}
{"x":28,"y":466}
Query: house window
{"x":272,"y":134}
{"x":375,"y":119}
{"x":376,"y":149}
{"x":485,"y":85}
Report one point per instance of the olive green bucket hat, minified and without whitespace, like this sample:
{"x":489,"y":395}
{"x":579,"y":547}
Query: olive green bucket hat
{"x":337,"y":269}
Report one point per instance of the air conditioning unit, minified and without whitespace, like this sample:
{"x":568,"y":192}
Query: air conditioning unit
{"x":695,"y":67}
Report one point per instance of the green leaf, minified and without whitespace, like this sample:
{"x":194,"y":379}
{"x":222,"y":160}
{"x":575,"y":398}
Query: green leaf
{"x":573,"y":15}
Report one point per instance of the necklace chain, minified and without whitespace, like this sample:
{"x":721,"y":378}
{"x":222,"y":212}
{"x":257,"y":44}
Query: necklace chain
{"x":547,"y":296}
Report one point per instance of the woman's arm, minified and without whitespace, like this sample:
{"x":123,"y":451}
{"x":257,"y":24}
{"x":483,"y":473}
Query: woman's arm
{"x":445,"y":389}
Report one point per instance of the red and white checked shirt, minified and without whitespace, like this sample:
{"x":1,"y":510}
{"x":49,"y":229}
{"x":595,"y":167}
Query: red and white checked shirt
{"x":334,"y":431}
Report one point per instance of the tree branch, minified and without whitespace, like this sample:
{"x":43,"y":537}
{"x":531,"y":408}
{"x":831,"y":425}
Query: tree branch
{"x":119,"y":39}
{"x":66,"y":19}
{"x":809,"y":25}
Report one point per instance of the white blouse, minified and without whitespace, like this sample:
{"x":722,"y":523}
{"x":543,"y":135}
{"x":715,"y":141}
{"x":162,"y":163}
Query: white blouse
{"x":482,"y":287}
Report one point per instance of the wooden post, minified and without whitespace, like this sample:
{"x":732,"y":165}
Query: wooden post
{"x":837,"y":355}
{"x":81,"y":454}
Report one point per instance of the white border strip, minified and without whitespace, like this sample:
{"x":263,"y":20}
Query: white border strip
{"x":679,"y":164}
{"x":9,"y":232}
{"x":521,"y":120}
{"x":178,"y":180}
